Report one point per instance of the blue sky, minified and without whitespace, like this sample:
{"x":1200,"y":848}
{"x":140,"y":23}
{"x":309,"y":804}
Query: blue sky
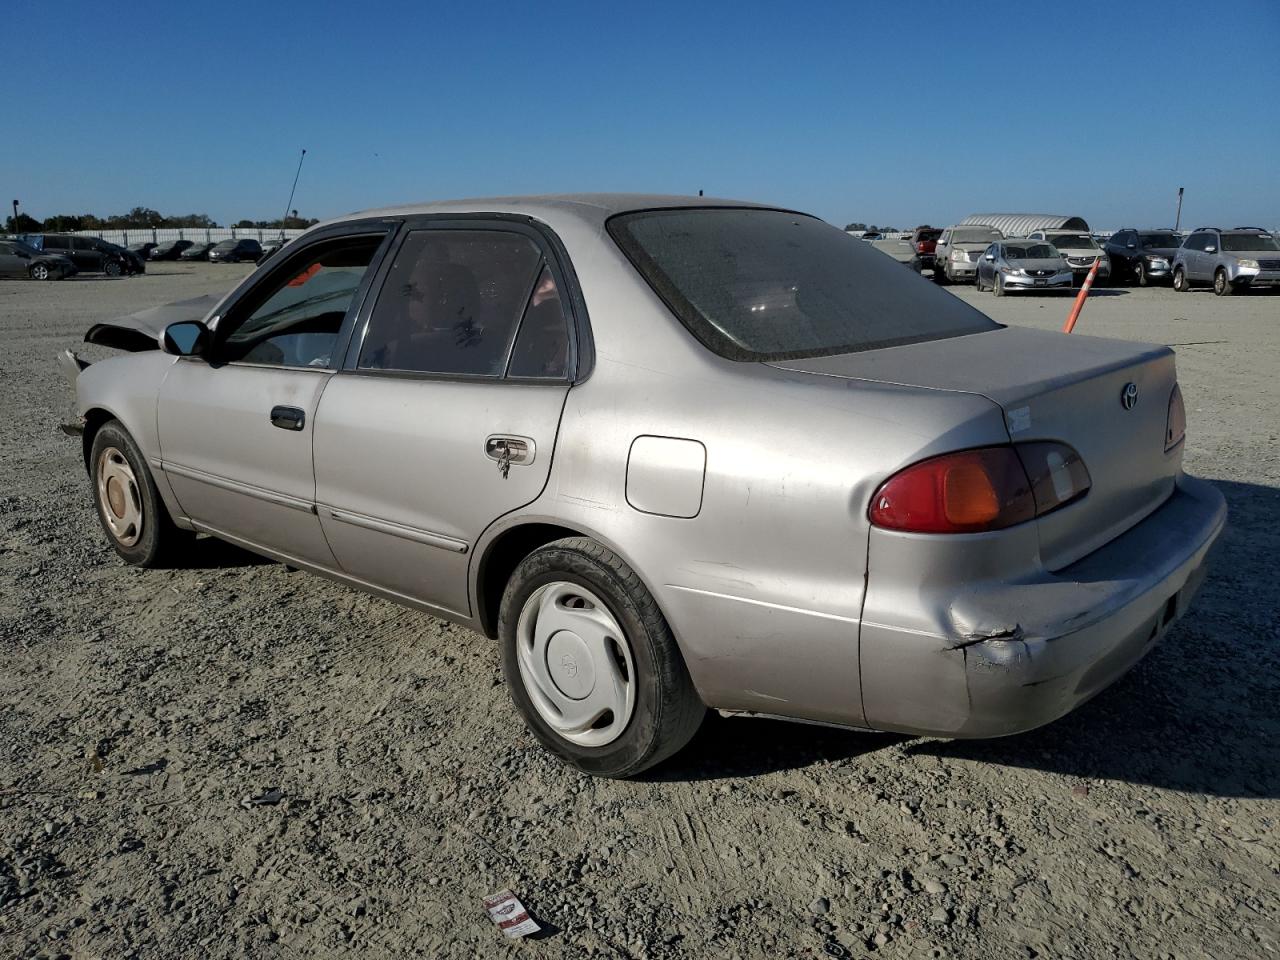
{"x":885,"y":113}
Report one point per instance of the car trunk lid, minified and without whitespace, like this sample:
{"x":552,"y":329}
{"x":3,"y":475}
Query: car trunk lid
{"x":1053,"y":387}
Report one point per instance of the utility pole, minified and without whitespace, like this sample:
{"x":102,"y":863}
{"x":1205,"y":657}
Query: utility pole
{"x":288,"y":206}
{"x":15,"y":216}
{"x":1177,"y":220}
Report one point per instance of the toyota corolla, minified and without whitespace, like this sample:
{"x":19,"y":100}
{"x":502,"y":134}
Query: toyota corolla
{"x":670,"y":454}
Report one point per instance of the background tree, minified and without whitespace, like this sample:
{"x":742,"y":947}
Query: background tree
{"x":22,"y":224}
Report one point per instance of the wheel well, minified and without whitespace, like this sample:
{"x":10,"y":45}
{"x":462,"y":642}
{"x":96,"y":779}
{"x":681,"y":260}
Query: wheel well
{"x":93,"y":421}
{"x":501,"y":560}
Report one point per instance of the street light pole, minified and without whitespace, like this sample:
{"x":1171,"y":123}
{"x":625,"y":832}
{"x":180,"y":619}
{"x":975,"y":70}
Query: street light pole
{"x":288,"y":206}
{"x":1177,"y":220}
{"x":15,"y":215}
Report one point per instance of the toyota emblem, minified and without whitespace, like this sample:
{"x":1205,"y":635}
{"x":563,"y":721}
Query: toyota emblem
{"x":1129,"y":395}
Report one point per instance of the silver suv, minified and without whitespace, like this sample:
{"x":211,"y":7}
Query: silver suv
{"x":1229,"y":259}
{"x":959,"y":249}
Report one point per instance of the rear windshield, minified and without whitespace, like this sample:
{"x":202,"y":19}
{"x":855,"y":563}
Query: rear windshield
{"x":1249,"y":241}
{"x":770,"y":285}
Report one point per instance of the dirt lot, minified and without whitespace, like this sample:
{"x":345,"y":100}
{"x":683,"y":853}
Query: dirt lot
{"x":139,"y":708}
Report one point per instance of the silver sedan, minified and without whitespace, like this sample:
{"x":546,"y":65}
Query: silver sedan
{"x":1012,"y":265}
{"x":670,"y":454}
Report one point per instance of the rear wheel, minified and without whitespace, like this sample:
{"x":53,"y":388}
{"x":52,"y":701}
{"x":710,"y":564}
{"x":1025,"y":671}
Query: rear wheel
{"x":111,"y":268}
{"x":1221,"y":285}
{"x":591,"y":663}
{"x":128,"y":503}
{"x":41,"y":271}
{"x":1180,"y":280}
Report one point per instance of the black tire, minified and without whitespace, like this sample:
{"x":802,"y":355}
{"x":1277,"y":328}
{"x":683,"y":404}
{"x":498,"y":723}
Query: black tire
{"x":111,"y":268}
{"x":977,"y":281}
{"x":40,"y":271}
{"x":158,"y":541}
{"x":1180,"y":282}
{"x":997,"y":286}
{"x":940,"y":274}
{"x":1222,"y":286}
{"x":1140,"y":275}
{"x":667,"y":711}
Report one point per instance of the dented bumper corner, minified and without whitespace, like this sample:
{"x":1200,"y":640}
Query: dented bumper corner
{"x":1005,"y":657}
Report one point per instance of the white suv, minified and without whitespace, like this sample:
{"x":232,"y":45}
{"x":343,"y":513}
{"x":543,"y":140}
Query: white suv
{"x":959,"y":249}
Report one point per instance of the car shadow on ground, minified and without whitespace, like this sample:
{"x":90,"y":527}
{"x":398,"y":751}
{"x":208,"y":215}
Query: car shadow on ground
{"x":1198,"y":715}
{"x":210,"y":553}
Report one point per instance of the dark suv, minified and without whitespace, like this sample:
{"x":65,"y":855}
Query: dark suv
{"x":89,"y":254}
{"x":236,"y":251}
{"x":1143,"y":256}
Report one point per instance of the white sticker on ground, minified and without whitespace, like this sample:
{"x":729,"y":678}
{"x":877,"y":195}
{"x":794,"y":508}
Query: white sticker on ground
{"x":506,"y":910}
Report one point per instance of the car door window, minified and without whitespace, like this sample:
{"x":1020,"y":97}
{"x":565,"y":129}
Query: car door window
{"x":452,"y":302}
{"x":293,"y":318}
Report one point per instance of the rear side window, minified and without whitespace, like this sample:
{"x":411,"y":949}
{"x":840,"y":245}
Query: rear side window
{"x":769,"y":285}
{"x":453,"y":302}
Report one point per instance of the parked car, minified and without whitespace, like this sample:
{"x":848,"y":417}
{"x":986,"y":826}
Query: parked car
{"x":900,"y":249}
{"x":925,"y":240}
{"x":958,"y":249}
{"x":1231,"y":260}
{"x":143,"y":250}
{"x":134,"y":262}
{"x":1012,"y":265}
{"x":271,"y":247}
{"x":171,"y":249}
{"x":197,"y":251}
{"x":89,"y":254}
{"x":632,"y":414}
{"x":1079,"y":249}
{"x":1143,"y":256}
{"x":19,"y":259}
{"x":236,"y":251}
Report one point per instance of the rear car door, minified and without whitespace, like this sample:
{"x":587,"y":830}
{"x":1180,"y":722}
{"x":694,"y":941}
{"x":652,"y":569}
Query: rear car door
{"x":12,"y":265}
{"x":445,"y":414}
{"x":236,"y":425}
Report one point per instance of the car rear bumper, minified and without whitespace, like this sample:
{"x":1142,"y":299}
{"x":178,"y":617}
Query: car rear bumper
{"x":1006,"y":657}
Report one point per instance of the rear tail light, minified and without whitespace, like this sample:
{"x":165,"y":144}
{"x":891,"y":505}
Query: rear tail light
{"x":1176,"y":424}
{"x":975,"y":490}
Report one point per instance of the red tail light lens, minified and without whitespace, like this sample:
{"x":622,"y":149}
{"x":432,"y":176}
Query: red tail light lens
{"x":976,"y":490}
{"x":1176,"y":425}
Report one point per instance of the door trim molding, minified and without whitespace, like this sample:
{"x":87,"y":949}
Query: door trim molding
{"x":236,"y":486}
{"x":402,"y":530}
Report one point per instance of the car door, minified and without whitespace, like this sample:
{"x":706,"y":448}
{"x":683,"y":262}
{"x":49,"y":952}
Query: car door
{"x":1194,"y":256}
{"x":12,"y":265}
{"x":236,"y":424}
{"x":445,"y":415}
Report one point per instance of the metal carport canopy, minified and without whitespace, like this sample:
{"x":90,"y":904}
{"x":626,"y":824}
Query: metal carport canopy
{"x":1020,"y":224}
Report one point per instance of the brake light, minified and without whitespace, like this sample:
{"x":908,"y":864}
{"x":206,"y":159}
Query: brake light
{"x":977,"y":490}
{"x":1176,"y":423}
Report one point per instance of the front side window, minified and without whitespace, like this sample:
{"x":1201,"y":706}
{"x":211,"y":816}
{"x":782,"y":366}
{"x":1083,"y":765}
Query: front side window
{"x":754,"y":284}
{"x":294,"y":317}
{"x":454,"y":300}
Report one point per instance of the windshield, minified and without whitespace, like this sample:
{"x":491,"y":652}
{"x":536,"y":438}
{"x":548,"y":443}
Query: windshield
{"x":226,"y":245}
{"x":23,"y":247}
{"x":768,"y":285}
{"x":1075,"y":241}
{"x":1032,"y":251}
{"x":927,"y":235}
{"x":1249,"y":241}
{"x":975,"y":235}
{"x":1159,"y":240}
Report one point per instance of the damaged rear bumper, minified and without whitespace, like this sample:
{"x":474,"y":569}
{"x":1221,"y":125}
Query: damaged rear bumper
{"x":1005,"y":657}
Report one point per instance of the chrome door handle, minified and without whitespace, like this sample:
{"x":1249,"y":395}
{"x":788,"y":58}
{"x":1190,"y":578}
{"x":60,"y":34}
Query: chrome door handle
{"x":508,"y":450}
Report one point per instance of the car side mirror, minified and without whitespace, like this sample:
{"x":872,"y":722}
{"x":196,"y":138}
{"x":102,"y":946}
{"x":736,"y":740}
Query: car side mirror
{"x":1132,"y":246}
{"x":991,"y":258}
{"x":1210,"y":249}
{"x":187,"y":338}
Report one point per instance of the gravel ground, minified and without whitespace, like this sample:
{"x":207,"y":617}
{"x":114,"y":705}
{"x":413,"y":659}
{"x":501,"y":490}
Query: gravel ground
{"x":140,"y":711}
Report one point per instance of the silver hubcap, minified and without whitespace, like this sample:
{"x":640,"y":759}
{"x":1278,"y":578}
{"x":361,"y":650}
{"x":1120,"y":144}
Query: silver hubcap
{"x":118,"y":497}
{"x":41,"y":272}
{"x":575,"y":664}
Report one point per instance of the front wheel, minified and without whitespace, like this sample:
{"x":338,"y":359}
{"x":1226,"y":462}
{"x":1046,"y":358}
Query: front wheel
{"x":1221,"y":285}
{"x":41,"y":271}
{"x":998,"y":286}
{"x":129,"y":506}
{"x":1140,"y":274}
{"x":591,"y":663}
{"x":111,"y":268}
{"x":1180,"y":282}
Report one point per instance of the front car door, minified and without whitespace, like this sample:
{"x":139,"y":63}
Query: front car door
{"x":445,"y":415}
{"x":12,"y":265}
{"x":1194,"y":257}
{"x":236,"y":424}
{"x":86,"y":255}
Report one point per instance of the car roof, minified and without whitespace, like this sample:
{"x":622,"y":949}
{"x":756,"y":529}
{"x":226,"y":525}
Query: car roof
{"x":590,"y":207}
